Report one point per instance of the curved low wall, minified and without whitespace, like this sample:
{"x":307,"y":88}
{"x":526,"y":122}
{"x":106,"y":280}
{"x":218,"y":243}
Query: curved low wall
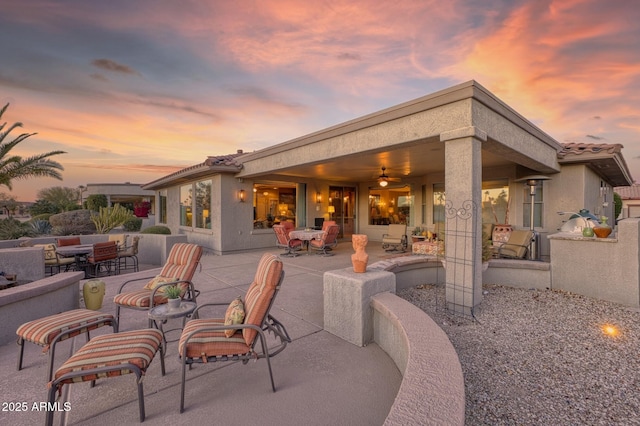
{"x":48,"y":296}
{"x":432,"y":389}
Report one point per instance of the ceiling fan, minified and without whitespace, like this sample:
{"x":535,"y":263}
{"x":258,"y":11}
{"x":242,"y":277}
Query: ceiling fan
{"x":384,"y":179}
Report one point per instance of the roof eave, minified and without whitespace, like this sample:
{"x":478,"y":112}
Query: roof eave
{"x":190,"y":174}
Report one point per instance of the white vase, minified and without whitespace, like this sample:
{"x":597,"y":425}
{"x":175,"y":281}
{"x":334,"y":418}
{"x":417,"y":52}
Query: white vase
{"x":174,"y":304}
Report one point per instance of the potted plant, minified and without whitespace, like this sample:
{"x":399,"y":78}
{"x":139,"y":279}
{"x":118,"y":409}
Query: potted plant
{"x":487,"y":251}
{"x":173,"y":293}
{"x":501,"y":230}
{"x":417,"y":235}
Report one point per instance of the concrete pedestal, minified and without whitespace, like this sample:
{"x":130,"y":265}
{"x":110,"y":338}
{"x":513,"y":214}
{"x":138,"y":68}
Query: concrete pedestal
{"x":347,"y":297}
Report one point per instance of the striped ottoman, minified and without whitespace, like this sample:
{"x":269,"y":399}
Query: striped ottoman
{"x":48,"y":331}
{"x":110,"y":355}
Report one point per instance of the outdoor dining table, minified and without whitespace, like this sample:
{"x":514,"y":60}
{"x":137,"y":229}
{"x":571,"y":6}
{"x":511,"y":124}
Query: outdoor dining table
{"x":79,"y":252}
{"x":306,"y":235}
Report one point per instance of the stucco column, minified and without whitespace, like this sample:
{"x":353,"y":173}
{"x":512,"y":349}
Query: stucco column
{"x":463,"y":228}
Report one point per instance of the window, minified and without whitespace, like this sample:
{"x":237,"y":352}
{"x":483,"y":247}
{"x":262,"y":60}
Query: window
{"x":203,"y":204}
{"x":200,"y":204}
{"x":423,"y":219}
{"x":162,"y":199}
{"x":438,"y":202}
{"x":537,"y":208}
{"x":186,"y":215}
{"x":273,"y":203}
{"x":390,"y":205}
{"x":495,"y":201}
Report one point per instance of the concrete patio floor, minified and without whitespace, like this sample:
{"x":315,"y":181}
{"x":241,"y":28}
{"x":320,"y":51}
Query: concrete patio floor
{"x":320,"y":378}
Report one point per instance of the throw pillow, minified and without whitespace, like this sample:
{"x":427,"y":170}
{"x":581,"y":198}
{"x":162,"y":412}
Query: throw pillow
{"x":159,"y":279}
{"x":234,"y":315}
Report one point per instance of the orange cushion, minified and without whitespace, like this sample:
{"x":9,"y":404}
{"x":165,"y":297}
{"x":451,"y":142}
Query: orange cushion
{"x":211,"y":343}
{"x":182,"y":261}
{"x":42,"y":331}
{"x":139,"y":298}
{"x":260,"y":292}
{"x":137,"y":347}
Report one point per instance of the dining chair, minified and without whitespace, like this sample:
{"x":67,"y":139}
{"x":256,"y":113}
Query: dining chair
{"x":130,"y":253}
{"x":69,"y":241}
{"x":291,"y":246}
{"x":53,"y":261}
{"x":328,"y":241}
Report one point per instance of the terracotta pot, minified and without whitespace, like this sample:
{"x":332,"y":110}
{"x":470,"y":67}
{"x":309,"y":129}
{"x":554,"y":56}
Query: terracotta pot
{"x":603,"y":230}
{"x":501,"y":234}
{"x":360,"y":258}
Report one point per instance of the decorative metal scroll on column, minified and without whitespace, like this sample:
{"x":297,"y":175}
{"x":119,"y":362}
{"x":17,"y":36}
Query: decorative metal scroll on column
{"x":459,"y":257}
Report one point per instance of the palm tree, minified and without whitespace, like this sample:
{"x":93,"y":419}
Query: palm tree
{"x":15,"y":167}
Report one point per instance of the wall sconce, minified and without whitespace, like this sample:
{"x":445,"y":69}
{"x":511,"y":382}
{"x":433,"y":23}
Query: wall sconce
{"x":318,"y":198}
{"x":241,"y":195}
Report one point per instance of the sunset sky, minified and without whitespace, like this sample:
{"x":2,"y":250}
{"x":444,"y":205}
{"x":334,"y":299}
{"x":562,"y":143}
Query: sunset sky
{"x":134,"y":90}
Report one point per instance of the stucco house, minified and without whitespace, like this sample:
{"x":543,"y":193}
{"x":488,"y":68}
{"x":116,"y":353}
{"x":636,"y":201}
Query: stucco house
{"x":630,"y":196}
{"x":443,"y":152}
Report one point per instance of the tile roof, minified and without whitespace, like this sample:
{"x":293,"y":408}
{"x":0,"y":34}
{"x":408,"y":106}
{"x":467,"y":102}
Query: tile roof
{"x":589,"y":148}
{"x":628,"y":192}
{"x":220,"y":164}
{"x":224,"y":160}
{"x":603,"y":158}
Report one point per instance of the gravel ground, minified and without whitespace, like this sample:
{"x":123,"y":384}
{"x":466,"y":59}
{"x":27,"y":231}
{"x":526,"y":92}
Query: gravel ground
{"x":542,"y":357}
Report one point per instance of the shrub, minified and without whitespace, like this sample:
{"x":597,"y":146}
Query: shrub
{"x":77,"y":222}
{"x":156,"y":229}
{"x":41,"y":227}
{"x":12,"y":229}
{"x":110,"y":217}
{"x":43,"y":216}
{"x":132,"y":225}
{"x":95,"y":201}
{"x":617,"y":203}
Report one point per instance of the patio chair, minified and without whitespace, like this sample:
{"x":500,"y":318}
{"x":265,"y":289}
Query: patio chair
{"x":327,"y":223}
{"x":212,"y":340}
{"x":130,"y":252}
{"x":288,"y":226}
{"x":516,"y":247}
{"x":120,"y":239}
{"x":179,"y":268}
{"x":53,"y":261}
{"x":49,"y":331}
{"x":396,"y":237}
{"x":328,"y":241}
{"x":107,"y":356}
{"x":283,"y":241}
{"x":102,"y":259}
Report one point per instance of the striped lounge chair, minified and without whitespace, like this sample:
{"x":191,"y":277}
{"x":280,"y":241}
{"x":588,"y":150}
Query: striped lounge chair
{"x":211,"y":340}
{"x":109,"y":355}
{"x":49,"y":331}
{"x":181,"y":264}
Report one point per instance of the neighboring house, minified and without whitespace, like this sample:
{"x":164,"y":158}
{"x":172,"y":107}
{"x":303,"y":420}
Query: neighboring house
{"x":120,"y":193}
{"x":462,"y":146}
{"x":630,"y":196}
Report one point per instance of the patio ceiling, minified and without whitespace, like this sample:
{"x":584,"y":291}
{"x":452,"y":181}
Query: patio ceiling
{"x":419,"y":159}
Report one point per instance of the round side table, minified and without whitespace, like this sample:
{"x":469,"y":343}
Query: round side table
{"x":162,"y":313}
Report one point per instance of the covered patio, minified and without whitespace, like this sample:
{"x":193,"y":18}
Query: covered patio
{"x":439,"y":155}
